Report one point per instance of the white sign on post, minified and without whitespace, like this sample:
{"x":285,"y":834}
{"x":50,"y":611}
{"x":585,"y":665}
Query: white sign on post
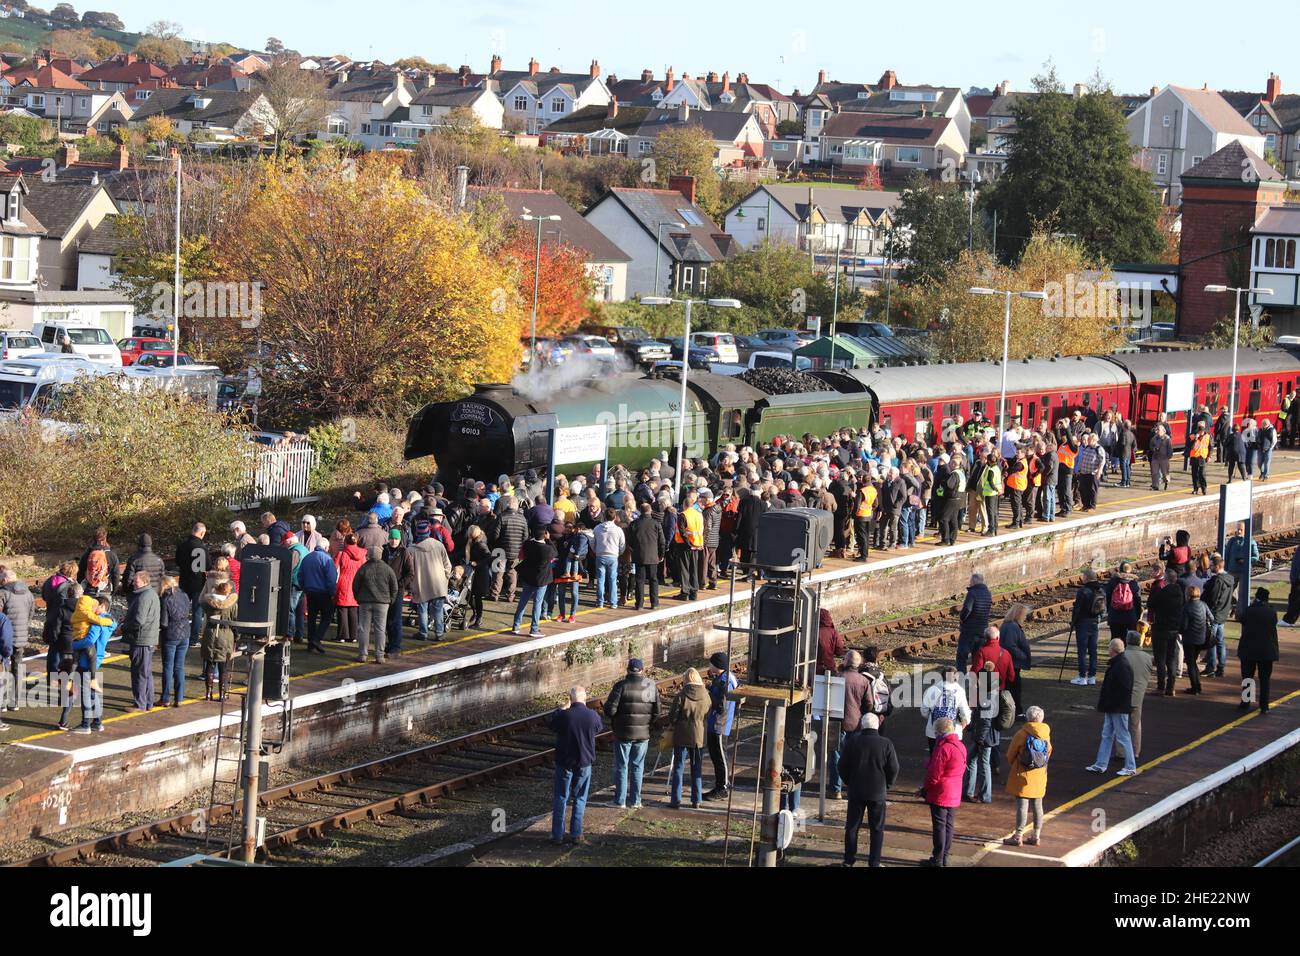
{"x":1180,"y":391}
{"x":1236,"y":501}
{"x":580,"y":445}
{"x":837,"y":695}
{"x":814,"y":324}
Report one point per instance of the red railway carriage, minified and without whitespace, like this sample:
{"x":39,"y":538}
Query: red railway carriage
{"x":1264,"y":376}
{"x":918,"y":400}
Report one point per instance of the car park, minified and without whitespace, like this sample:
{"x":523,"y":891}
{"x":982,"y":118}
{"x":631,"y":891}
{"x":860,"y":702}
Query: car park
{"x":592,"y":346}
{"x":632,"y":342}
{"x":16,"y":345}
{"x":89,"y":341}
{"x":133,"y":348}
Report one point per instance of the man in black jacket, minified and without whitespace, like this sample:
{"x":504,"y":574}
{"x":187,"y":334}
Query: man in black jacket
{"x":147,"y":560}
{"x":632,"y":708}
{"x":1165,"y":612}
{"x":511,"y":533}
{"x":1115,"y":702}
{"x":1219,"y":596}
{"x":192,"y":573}
{"x":974,"y":619}
{"x":648,"y":548}
{"x":1159,"y":450}
{"x":536,"y":571}
{"x":870,"y":765}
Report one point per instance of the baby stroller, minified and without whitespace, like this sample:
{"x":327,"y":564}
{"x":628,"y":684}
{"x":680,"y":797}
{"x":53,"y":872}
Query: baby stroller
{"x":458,"y":590}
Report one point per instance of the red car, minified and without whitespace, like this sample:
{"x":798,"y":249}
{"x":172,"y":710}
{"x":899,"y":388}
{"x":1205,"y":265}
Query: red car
{"x":133,"y":348}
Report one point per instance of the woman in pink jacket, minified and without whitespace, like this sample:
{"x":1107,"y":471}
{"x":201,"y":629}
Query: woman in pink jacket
{"x":943,"y":779}
{"x":348,"y":559}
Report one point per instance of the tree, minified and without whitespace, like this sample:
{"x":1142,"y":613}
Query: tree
{"x":73,"y":43}
{"x":103,"y":48}
{"x":274,"y":46}
{"x":103,"y":20}
{"x":65,"y":13}
{"x":775,"y":278}
{"x":1079,"y":316}
{"x":1070,"y":164}
{"x":371,"y":295}
{"x":164,"y":29}
{"x":296,"y":98}
{"x":932,"y":227}
{"x":418,"y":63}
{"x":688,"y":151}
{"x":563,"y":284}
{"x":164,"y":52}
{"x":27,"y":130}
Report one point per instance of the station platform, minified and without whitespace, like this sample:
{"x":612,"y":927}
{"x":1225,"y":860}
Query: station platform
{"x":1204,"y":765}
{"x":144,"y":761}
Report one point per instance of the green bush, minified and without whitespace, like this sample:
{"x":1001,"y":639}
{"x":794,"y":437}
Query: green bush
{"x":353,"y":453}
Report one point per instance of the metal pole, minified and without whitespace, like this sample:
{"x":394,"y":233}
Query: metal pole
{"x":824,"y":747}
{"x":252,"y":749}
{"x":1236,"y":334}
{"x":835,"y":303}
{"x":1006,"y":352}
{"x":889,"y":261}
{"x":176,"y":279}
{"x":1243,"y":599}
{"x":773,"y":757}
{"x":681,"y":422}
{"x":537,"y":278}
{"x":658,"y":247}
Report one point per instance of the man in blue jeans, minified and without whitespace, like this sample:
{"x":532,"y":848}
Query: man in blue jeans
{"x":535,"y":573}
{"x":632,"y":708}
{"x":607,"y":543}
{"x":576,"y":726}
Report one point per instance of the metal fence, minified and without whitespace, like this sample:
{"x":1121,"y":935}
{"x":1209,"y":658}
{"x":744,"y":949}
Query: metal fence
{"x":278,"y":471}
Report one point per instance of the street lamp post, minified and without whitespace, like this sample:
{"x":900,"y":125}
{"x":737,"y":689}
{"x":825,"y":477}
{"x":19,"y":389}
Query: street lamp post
{"x":1007,"y":294}
{"x":1236,"y":335}
{"x":537,"y":278}
{"x":659,"y":247}
{"x":686,"y":364}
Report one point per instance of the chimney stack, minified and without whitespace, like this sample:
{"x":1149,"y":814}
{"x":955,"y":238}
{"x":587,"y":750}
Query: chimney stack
{"x":533,"y":66}
{"x":430,"y":80}
{"x":713,"y":77}
{"x":888,"y":80}
{"x":684,"y":184}
{"x":683,"y":112}
{"x":647,"y":76}
{"x":1079,"y":90}
{"x":726,"y":82}
{"x":464,"y":79}
{"x":1273,"y":89}
{"x":595,"y":69}
{"x":122,"y":160}
{"x":743,"y":79}
{"x":496,"y":63}
{"x":1155,"y":90}
{"x":131,"y":58}
{"x":460,"y":187}
{"x":613,"y":107}
{"x":821,"y":77}
{"x":66,"y":155}
{"x":669,"y":82}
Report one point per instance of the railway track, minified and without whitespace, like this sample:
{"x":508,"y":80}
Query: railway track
{"x":1286,"y":855}
{"x":315,"y":807}
{"x":1049,"y":600}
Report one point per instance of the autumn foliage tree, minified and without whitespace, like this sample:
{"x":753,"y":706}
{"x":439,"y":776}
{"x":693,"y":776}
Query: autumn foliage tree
{"x":371,"y":296}
{"x":564,"y":286}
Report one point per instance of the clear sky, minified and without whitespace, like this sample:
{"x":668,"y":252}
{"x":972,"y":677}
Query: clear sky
{"x":1135,"y":44}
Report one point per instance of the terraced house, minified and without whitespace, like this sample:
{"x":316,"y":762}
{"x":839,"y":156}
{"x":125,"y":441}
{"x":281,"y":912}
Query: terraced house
{"x":1276,"y":116}
{"x":362,"y":107}
{"x":226,"y":115}
{"x":533,"y":99}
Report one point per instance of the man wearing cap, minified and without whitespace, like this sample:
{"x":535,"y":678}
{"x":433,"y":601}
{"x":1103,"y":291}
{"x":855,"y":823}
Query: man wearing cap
{"x":309,"y":536}
{"x":239,"y":531}
{"x":711,"y":513}
{"x":398,"y":557}
{"x":718,"y":726}
{"x":430,"y":571}
{"x":632,"y":708}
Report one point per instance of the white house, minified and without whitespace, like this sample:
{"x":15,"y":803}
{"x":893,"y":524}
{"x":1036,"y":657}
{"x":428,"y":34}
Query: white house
{"x":226,"y":114}
{"x":856,"y":220}
{"x":362,"y":107}
{"x":534,"y":99}
{"x":430,"y":108}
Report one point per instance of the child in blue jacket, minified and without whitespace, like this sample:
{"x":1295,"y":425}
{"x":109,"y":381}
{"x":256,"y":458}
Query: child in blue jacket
{"x":90,"y":652}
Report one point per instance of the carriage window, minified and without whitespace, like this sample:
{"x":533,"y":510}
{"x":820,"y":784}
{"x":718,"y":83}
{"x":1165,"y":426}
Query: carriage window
{"x":1212,"y":395}
{"x":952,"y":409}
{"x":1085,"y":400}
{"x":976,"y":408}
{"x":887,"y":423}
{"x":924,"y":413}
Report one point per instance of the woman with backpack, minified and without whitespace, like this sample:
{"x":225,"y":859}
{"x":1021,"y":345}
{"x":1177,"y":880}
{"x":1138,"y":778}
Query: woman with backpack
{"x":98,"y":568}
{"x":1085,"y":617}
{"x":1030,"y":750}
{"x":945,"y":700}
{"x":219,"y":639}
{"x":985,"y":739}
{"x":1123,"y":602}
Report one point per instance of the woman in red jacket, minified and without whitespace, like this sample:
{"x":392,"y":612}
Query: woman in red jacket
{"x":943,"y":779}
{"x":349,"y":559}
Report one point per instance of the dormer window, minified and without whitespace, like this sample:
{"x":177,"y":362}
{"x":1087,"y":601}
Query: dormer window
{"x":13,"y":210}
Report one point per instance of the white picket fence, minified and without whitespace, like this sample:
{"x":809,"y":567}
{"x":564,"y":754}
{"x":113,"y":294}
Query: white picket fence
{"x":279,"y":471}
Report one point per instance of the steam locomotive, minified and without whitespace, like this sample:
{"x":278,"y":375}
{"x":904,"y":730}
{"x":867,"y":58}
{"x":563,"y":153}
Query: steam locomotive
{"x":500,"y":430}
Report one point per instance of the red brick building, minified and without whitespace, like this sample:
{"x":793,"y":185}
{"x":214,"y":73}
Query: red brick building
{"x":1224,"y":196}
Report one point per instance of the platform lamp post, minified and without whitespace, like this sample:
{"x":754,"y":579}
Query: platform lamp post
{"x":537,"y":278}
{"x":686,"y":364}
{"x":1236,"y":335}
{"x":1008,"y":294}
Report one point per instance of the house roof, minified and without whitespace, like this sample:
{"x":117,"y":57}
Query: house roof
{"x":979,"y":104}
{"x":368,"y":88}
{"x":690,"y":243}
{"x":912,"y":130}
{"x":634,"y":92}
{"x":225,"y":109}
{"x":59,"y":204}
{"x":27,"y":224}
{"x":1231,"y":163}
{"x":1284,"y":109}
{"x":837,"y":205}
{"x":540,"y":84}
{"x":1215,"y":110}
{"x":1279,"y":220}
{"x":104,"y":240}
{"x":721,"y":125}
{"x":449,"y":96}
{"x":572,"y":229}
{"x":46,"y":78}
{"x":119,"y":71}
{"x":592,"y":119}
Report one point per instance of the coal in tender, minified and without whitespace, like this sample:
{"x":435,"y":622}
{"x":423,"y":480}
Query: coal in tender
{"x":780,"y":381}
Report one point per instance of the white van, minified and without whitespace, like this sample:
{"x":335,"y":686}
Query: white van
{"x":34,"y":382}
{"x":89,"y":341}
{"x":722,"y":343}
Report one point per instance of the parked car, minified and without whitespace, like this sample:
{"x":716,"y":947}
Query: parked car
{"x":90,"y":341}
{"x":167,"y":360}
{"x":701,"y":358}
{"x":746,"y":345}
{"x":16,"y":345}
{"x":863,"y":328}
{"x":723,"y":343}
{"x":592,"y":346}
{"x":787,"y":338}
{"x":631,"y":341}
{"x":139,"y":345}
